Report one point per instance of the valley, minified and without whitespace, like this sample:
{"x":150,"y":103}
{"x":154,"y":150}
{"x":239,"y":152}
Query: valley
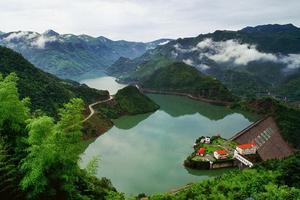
{"x":149,"y":100}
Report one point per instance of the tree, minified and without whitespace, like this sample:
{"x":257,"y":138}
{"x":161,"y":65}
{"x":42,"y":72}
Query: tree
{"x":13,"y":112}
{"x":9,"y":188}
{"x":51,"y":164}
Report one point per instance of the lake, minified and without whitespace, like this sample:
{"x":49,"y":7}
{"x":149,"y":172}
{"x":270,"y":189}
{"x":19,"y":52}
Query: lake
{"x":101,"y":81}
{"x":145,"y":153}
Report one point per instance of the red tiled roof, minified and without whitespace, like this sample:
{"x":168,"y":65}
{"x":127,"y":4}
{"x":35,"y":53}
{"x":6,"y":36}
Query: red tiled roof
{"x":201,"y":151}
{"x":246,"y":146}
{"x":221,"y":152}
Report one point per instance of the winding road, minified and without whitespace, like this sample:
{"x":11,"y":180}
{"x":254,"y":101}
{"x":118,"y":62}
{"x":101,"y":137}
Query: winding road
{"x":92,"y":111}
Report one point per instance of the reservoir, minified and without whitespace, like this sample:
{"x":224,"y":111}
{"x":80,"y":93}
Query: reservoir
{"x":145,"y":153}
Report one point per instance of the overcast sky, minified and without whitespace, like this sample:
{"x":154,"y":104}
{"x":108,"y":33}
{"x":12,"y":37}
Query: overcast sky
{"x":143,"y":20}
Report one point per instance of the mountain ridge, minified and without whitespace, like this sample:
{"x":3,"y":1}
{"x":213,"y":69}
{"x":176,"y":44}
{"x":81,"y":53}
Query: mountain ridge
{"x":263,"y":57}
{"x":69,"y":55}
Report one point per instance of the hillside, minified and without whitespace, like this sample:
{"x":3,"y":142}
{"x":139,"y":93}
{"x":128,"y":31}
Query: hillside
{"x":128,"y":101}
{"x":45,"y":91}
{"x":39,"y":154}
{"x":290,"y":87}
{"x":262,"y":54}
{"x":67,"y":55}
{"x":182,"y":78}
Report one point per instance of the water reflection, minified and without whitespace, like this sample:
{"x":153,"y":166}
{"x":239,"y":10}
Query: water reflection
{"x":177,"y":106}
{"x":145,"y":153}
{"x":128,"y":122}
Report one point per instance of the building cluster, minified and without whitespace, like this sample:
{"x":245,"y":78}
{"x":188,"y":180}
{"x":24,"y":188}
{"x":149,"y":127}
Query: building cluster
{"x":242,"y":149}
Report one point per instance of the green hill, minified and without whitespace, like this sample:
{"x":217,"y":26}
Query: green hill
{"x":46,"y":91}
{"x":128,"y":101}
{"x":182,"y":78}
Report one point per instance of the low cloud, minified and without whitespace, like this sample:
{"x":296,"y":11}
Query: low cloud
{"x":292,"y":61}
{"x":41,"y":41}
{"x":19,"y":35}
{"x":201,"y":67}
{"x":188,"y":61}
{"x":232,"y":51}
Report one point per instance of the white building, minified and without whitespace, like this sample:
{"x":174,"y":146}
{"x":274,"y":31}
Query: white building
{"x":246,"y":149}
{"x":205,"y":140}
{"x":220,"y":154}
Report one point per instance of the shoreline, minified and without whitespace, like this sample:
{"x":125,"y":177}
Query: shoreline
{"x":211,"y":101}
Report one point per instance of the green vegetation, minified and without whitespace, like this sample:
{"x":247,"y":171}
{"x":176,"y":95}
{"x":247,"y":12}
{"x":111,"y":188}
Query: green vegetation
{"x":128,"y":101}
{"x":287,"y":118}
{"x":275,"y":179}
{"x":242,"y":83}
{"x":148,"y":68}
{"x":38,"y":155}
{"x":71,"y":55}
{"x":290,"y":87}
{"x":46,"y":92}
{"x":96,"y":125}
{"x":254,"y":79}
{"x":182,"y":78}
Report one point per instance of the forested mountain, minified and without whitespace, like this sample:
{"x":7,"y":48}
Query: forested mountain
{"x":46,"y":92}
{"x":263,"y":55}
{"x":68,"y":55}
{"x":182,"y":78}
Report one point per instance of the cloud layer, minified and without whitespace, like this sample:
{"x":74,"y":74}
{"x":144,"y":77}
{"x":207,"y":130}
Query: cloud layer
{"x":233,"y":52}
{"x":41,"y":41}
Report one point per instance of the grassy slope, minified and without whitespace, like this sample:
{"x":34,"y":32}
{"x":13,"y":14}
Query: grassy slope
{"x":46,"y":91}
{"x":179,"y":77}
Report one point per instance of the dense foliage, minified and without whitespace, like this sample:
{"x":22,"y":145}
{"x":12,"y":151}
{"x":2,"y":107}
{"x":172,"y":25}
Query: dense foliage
{"x":242,"y":83}
{"x":275,"y":179}
{"x":290,"y":87}
{"x":46,"y":92}
{"x":128,"y":101}
{"x":179,"y":77}
{"x":39,"y":156}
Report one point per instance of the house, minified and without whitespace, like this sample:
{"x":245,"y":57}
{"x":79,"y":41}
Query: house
{"x":220,"y":154}
{"x":246,"y":149}
{"x":201,"y":151}
{"x":205,"y":140}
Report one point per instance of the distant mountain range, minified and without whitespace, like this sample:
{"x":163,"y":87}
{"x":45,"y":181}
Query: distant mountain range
{"x":251,"y":61}
{"x":68,"y":55}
